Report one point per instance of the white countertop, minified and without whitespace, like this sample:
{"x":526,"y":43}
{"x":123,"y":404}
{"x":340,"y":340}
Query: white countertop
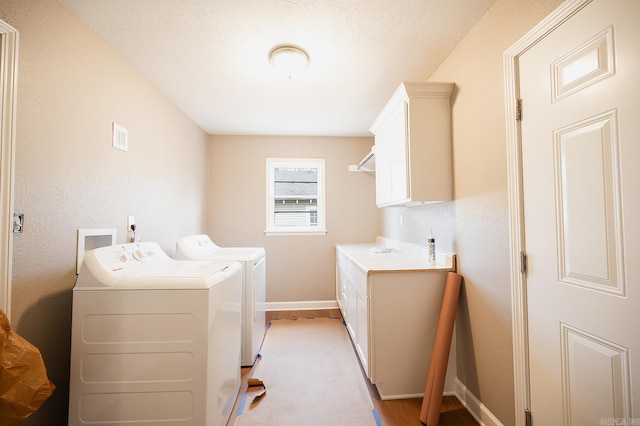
{"x":373,"y":258}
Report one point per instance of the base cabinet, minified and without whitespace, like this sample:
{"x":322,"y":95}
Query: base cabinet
{"x":392,"y":318}
{"x":404,"y":310}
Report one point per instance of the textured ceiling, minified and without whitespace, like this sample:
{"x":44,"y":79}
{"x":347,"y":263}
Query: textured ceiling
{"x":210,"y":57}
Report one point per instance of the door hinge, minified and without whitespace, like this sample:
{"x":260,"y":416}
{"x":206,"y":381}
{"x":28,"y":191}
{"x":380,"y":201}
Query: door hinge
{"x":527,"y":417}
{"x":518,"y":109}
{"x":523,"y":263}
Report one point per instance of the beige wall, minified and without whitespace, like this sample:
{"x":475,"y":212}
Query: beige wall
{"x":475,"y":225}
{"x":299,"y":268}
{"x":71,"y":87}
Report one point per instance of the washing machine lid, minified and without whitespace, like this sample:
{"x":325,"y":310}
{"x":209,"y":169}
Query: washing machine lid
{"x":145,"y":266}
{"x":200,"y":247}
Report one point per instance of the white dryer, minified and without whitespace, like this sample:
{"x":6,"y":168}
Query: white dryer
{"x":200,"y":247}
{"x":154,"y":340}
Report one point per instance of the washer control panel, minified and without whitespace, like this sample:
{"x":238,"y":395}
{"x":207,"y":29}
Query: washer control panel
{"x":133,"y":254}
{"x":127,"y":259}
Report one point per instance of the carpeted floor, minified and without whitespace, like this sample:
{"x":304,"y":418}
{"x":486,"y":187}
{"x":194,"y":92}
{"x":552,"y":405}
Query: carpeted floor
{"x":311,"y":376}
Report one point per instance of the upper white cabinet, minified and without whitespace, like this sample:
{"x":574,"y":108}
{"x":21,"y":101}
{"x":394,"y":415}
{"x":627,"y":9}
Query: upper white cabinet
{"x":413,"y":146}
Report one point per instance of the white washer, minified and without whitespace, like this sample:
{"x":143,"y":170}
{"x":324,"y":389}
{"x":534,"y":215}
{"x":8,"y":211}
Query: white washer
{"x":200,"y":247}
{"x":154,"y":340}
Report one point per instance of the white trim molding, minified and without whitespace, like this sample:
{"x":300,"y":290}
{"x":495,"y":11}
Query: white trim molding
{"x":516,"y":223}
{"x":302,"y":306}
{"x":8,"y":88}
{"x":474,"y":406}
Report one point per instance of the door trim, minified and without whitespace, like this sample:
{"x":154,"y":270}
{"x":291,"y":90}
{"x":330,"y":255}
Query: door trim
{"x":8,"y":87}
{"x":515,"y":198}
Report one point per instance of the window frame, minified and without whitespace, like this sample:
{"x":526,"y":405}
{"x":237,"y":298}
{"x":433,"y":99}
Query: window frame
{"x":274,"y":163}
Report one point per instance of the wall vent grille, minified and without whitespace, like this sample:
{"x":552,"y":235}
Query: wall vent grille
{"x":120,"y":137}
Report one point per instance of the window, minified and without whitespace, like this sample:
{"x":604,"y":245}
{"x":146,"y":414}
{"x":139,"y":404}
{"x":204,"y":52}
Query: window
{"x":295,"y":196}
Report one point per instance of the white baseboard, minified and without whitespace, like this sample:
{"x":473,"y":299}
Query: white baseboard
{"x":474,"y":406}
{"x":301,"y":306}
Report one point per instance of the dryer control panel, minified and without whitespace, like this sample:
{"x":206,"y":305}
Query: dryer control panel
{"x":200,"y":247}
{"x":195,"y":247}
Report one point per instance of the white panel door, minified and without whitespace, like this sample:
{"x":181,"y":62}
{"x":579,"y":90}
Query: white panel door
{"x":580,"y":90}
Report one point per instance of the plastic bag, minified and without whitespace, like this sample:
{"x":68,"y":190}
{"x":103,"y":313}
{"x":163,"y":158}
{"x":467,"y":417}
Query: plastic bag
{"x":24,"y":385}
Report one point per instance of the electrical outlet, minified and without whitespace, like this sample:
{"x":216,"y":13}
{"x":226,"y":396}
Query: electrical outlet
{"x":131,"y":220}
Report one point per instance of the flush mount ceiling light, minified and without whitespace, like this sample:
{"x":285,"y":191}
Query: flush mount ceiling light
{"x":289,"y":59}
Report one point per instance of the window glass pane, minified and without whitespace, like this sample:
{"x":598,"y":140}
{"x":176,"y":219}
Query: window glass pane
{"x":295,"y":195}
{"x":295,"y":212}
{"x":295,"y":182}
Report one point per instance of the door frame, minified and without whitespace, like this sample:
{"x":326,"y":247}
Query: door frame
{"x":515,"y":198}
{"x":8,"y":88}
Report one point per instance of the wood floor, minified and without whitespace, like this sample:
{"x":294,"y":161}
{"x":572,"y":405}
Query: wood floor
{"x":398,"y":412}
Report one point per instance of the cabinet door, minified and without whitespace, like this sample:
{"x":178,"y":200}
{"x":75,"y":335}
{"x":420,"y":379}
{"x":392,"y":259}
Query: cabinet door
{"x":392,"y":174}
{"x":352,"y":309}
{"x":383,"y":168}
{"x":340,"y":289}
{"x":362,"y":340}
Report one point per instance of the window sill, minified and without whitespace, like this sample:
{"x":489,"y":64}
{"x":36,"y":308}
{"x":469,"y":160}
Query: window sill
{"x":271,"y":232}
